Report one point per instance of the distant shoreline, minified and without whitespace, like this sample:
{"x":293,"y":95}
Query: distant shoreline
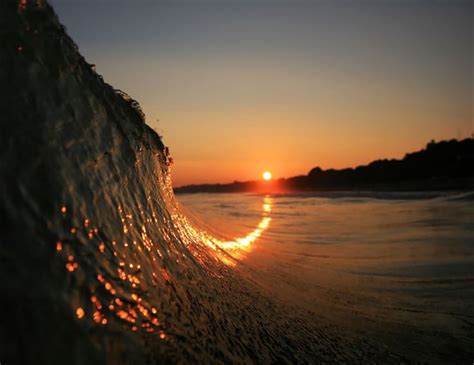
{"x":441,"y":166}
{"x":346,"y":193}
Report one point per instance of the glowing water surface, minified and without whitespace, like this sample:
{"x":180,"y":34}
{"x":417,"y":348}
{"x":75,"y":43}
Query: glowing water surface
{"x":124,"y":302}
{"x":399,"y":269}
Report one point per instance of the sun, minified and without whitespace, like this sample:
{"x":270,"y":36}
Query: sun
{"x":267,"y":176}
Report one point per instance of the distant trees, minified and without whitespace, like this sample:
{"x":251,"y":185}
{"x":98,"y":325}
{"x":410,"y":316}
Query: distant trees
{"x":446,"y":159}
{"x":441,"y":165}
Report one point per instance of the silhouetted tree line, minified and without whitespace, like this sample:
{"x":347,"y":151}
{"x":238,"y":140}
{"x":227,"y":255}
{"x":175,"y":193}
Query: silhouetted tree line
{"x":441,"y":165}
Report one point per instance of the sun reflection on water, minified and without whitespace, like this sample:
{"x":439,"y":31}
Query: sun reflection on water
{"x":236,"y":246}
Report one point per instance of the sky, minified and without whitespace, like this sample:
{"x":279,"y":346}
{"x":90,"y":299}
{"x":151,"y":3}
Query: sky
{"x":239,"y":87}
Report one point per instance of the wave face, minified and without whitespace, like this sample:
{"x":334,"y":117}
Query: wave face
{"x":98,"y":263}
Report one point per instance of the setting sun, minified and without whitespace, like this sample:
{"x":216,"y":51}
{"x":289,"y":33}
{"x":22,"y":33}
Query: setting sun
{"x":267,"y":175}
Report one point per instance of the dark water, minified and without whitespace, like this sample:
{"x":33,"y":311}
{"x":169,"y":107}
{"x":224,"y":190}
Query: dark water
{"x":398,"y":268}
{"x":99,"y":263}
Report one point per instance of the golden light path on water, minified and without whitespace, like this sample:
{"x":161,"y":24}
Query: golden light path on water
{"x":237,"y":246}
{"x":120,"y":287}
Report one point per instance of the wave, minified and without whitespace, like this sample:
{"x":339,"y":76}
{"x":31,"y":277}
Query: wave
{"x":98,"y":262}
{"x":363,"y":196}
{"x":464,"y":196}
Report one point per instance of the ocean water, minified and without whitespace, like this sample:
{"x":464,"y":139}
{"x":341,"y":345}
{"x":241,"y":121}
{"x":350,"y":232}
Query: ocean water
{"x":398,"y":268}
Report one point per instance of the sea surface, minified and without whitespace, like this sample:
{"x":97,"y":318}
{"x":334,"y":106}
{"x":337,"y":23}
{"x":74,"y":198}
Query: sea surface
{"x":394,"y":267}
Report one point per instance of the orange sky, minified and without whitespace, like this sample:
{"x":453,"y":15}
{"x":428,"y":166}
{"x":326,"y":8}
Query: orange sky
{"x":243,"y":87}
